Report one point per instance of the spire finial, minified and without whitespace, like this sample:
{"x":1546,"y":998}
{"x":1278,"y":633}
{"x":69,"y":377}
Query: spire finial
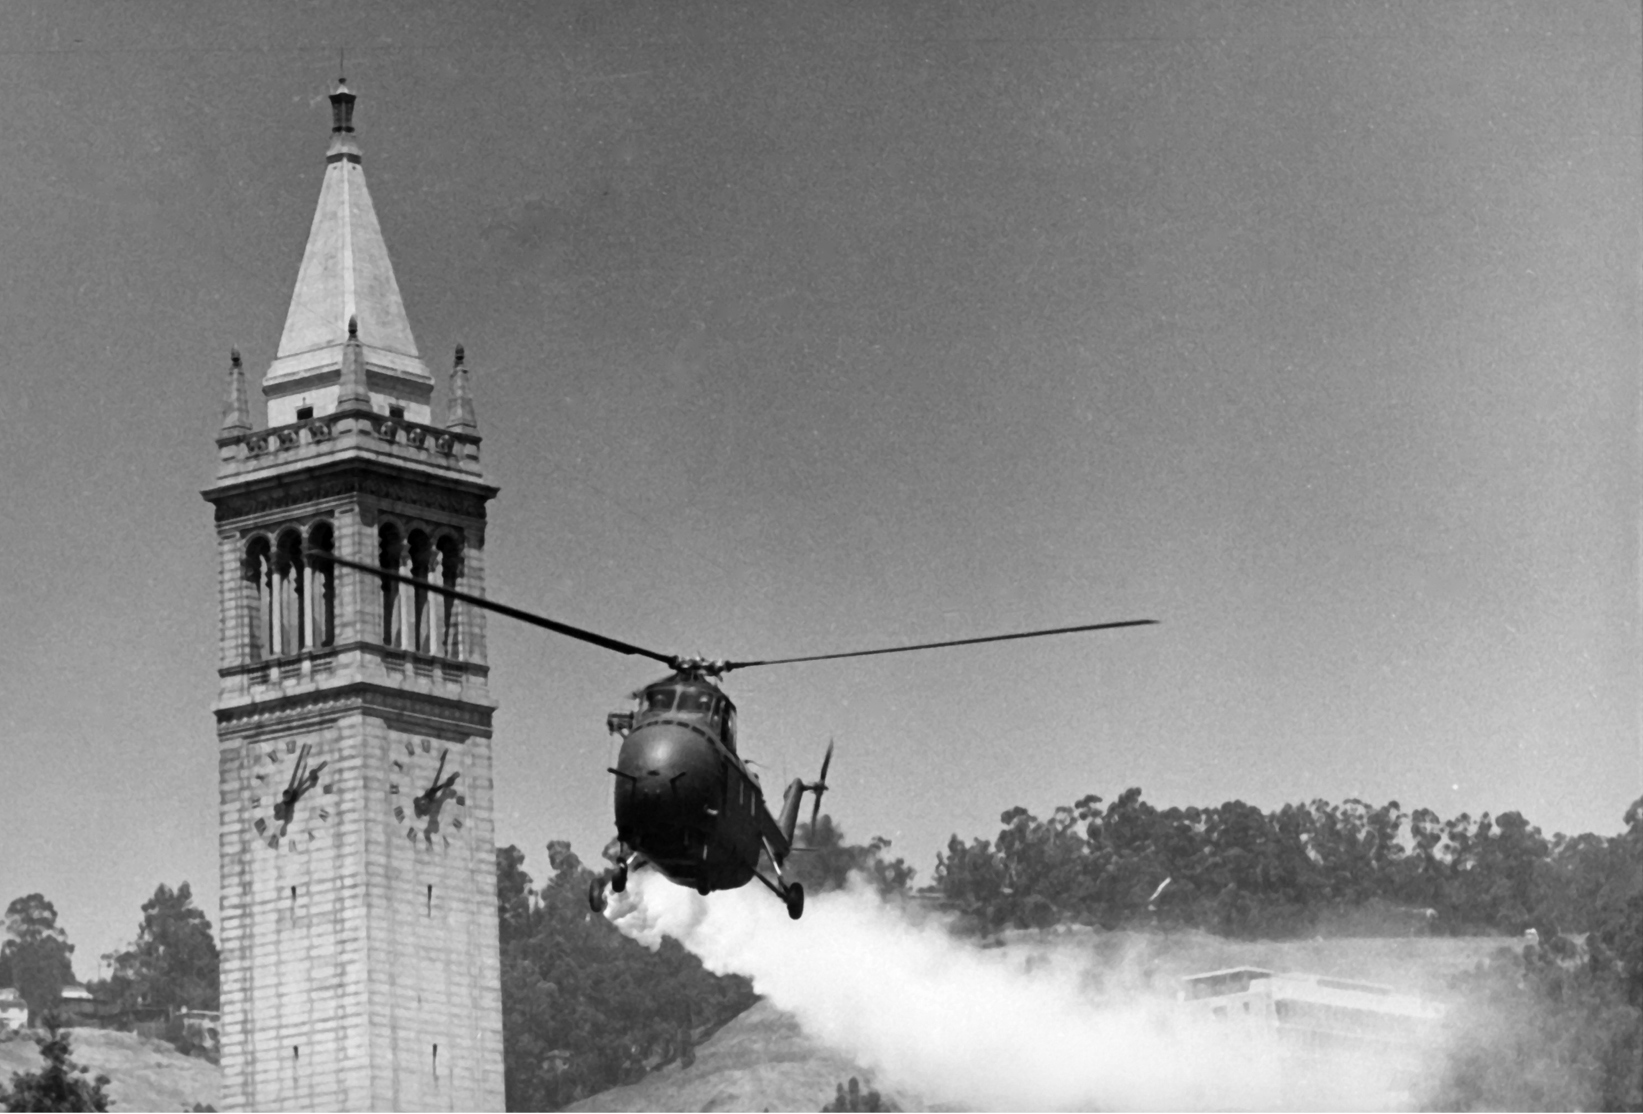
{"x":236,"y":406}
{"x":459,"y":408}
{"x":342,"y":107}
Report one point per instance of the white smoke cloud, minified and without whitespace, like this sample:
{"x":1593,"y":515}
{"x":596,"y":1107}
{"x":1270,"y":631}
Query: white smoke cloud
{"x":990,"y":1028}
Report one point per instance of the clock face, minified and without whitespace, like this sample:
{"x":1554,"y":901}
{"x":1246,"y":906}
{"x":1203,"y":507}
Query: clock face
{"x":293,"y":795}
{"x":427,"y":792}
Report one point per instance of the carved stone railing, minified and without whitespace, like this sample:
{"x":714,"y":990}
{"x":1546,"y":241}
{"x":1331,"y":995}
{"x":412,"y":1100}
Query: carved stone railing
{"x":321,"y":662}
{"x":397,"y":437}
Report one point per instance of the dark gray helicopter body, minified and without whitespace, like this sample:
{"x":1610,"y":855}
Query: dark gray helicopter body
{"x":686,"y":803}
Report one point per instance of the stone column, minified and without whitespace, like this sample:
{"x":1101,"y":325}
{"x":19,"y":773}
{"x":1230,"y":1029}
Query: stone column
{"x":425,"y":617}
{"x":276,"y":604}
{"x":407,"y":600}
{"x":265,"y":604}
{"x":307,"y":604}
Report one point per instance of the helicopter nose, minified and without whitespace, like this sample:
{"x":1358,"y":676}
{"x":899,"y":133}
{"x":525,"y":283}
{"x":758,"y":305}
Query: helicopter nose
{"x":649,"y":754}
{"x":664,"y":777}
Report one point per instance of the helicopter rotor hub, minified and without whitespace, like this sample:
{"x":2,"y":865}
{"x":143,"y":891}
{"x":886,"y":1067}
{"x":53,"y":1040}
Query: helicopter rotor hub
{"x":696,"y":664}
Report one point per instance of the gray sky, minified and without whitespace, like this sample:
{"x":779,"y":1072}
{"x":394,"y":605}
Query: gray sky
{"x":1310,"y":329}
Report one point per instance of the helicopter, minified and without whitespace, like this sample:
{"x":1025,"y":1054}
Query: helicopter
{"x":687,"y":804}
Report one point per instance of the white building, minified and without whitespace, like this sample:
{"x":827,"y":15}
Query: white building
{"x":14,"y":1012}
{"x":1359,"y":1041}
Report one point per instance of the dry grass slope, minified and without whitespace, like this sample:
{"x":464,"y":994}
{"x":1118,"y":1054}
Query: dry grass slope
{"x":760,"y":1061}
{"x":143,"y":1074}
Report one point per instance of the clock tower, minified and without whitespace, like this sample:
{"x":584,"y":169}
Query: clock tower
{"x":358,"y":923}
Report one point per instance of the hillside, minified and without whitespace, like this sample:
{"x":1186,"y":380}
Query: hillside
{"x":762,"y":1060}
{"x":759,"y":1061}
{"x":143,"y":1074}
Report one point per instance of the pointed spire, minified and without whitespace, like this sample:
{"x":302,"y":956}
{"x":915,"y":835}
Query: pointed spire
{"x":236,"y":405}
{"x":352,"y":392}
{"x":346,"y":274}
{"x":459,"y":410}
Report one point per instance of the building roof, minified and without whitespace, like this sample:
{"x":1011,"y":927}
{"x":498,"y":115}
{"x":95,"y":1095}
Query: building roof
{"x":1317,"y":989}
{"x":1228,"y":973}
{"x":345,"y":274}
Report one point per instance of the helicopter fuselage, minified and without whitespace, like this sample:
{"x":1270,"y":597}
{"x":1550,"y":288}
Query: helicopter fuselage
{"x":685,"y":801}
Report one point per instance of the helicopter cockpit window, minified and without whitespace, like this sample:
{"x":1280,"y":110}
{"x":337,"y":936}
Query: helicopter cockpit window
{"x":659,"y":700}
{"x":695,"y":701}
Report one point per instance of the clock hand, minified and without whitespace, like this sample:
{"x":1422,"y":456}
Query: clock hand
{"x":425,"y":800}
{"x":302,"y":780}
{"x":311,"y":779}
{"x":437,"y":795}
{"x":299,"y":777}
{"x":296,"y":768}
{"x":288,"y":797}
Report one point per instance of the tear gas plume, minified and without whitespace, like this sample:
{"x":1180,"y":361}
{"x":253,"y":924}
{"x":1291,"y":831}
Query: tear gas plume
{"x":995,"y":1028}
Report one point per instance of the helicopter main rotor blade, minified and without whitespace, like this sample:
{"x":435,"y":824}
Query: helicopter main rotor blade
{"x":729,"y":665}
{"x":500,"y":608}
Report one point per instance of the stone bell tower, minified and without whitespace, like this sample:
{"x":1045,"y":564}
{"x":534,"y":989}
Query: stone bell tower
{"x":359,"y":935}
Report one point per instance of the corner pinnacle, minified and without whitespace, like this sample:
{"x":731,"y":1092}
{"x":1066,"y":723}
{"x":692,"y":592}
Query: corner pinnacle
{"x":236,"y":406}
{"x":459,"y":409}
{"x":352,"y":392}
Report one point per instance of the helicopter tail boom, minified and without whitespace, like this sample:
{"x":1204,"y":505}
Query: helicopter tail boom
{"x":794,"y":797}
{"x":789,"y":820}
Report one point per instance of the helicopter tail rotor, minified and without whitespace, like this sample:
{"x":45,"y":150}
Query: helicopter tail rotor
{"x":818,"y":787}
{"x":793,"y":800}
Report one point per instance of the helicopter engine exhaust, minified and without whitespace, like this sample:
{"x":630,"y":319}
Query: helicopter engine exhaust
{"x":1033,"y":1025}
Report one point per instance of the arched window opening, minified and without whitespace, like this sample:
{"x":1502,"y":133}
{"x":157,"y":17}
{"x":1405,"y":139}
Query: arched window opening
{"x":422,"y":557}
{"x":290,"y":591}
{"x":392,"y":550}
{"x":322,"y":588}
{"x":449,"y":610}
{"x":255,"y":570}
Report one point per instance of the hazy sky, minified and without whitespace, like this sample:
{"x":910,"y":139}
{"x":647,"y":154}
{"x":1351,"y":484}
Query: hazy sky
{"x":1309,"y":329}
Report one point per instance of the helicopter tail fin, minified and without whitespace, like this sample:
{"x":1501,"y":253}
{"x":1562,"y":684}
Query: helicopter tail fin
{"x":794,"y":797}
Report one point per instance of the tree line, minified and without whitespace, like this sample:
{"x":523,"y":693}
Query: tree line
{"x":1298,"y":870}
{"x":170,"y":966}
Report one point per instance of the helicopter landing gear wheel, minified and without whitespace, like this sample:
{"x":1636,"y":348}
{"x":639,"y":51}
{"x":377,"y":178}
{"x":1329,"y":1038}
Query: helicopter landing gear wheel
{"x":619,"y":880}
{"x":795,"y":901}
{"x":596,"y":895}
